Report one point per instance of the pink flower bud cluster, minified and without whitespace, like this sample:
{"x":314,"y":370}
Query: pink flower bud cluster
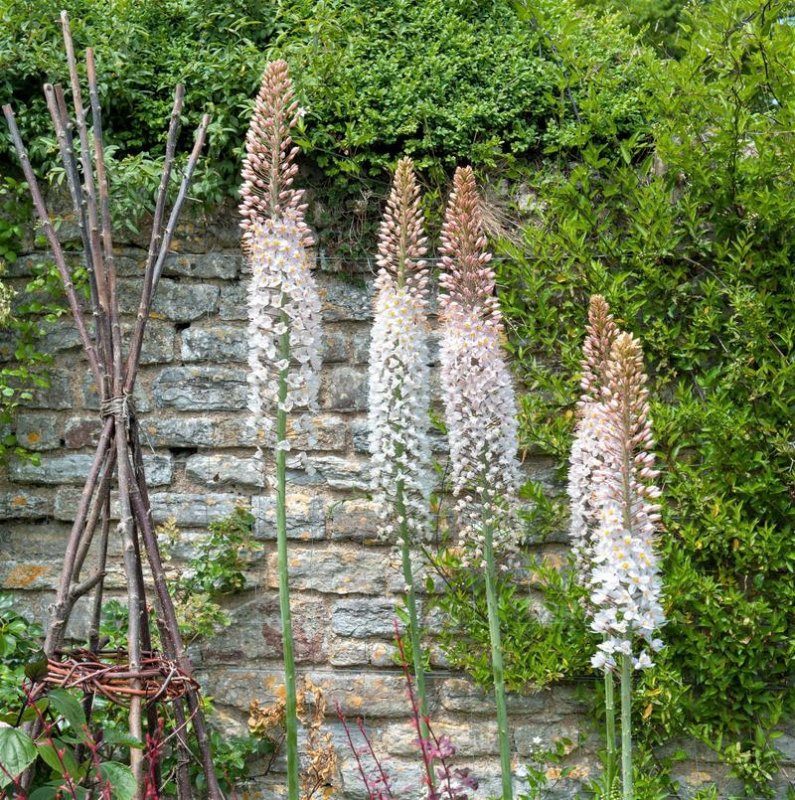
{"x":268,"y":166}
{"x":615,"y":512}
{"x":480,"y":405}
{"x":399,"y":363}
{"x":283,"y":300}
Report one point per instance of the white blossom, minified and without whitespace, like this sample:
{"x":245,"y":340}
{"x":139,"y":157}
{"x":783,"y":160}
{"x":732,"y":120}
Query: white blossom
{"x":614,"y":514}
{"x":478,"y":393}
{"x":399,"y":394}
{"x":282,"y":302}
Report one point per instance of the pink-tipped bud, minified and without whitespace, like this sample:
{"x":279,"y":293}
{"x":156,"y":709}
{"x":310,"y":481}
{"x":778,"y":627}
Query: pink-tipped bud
{"x":268,"y":168}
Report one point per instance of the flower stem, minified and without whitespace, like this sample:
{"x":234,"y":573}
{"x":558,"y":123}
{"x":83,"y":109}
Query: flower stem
{"x":411,"y":604}
{"x":626,"y":727}
{"x":496,"y":664}
{"x":291,"y":715}
{"x":610,"y":732}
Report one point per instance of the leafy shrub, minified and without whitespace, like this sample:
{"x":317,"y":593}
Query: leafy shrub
{"x":687,"y":228}
{"x":461,"y":81}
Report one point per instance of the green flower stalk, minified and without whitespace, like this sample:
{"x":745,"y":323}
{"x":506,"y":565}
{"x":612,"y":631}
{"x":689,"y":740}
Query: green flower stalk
{"x":399,"y":393}
{"x":284,"y":323}
{"x":480,"y":412}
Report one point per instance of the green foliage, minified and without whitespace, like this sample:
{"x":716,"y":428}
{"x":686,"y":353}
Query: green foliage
{"x":22,"y":366}
{"x":444,"y":82}
{"x":538,"y":649}
{"x":216,"y":570}
{"x":656,"y":20}
{"x":19,"y":645}
{"x":687,"y":226}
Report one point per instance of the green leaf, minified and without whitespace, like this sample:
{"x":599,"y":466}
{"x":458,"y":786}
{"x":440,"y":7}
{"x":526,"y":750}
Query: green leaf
{"x":17,"y":752}
{"x":50,"y":757}
{"x":69,"y":708}
{"x":123,"y":738}
{"x":121,"y":779}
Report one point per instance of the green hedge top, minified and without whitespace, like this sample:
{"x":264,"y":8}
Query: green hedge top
{"x":446,"y":82}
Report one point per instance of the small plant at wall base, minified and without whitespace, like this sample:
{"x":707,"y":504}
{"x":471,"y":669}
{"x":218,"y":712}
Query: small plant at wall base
{"x":284,"y":322}
{"x":440,"y":779}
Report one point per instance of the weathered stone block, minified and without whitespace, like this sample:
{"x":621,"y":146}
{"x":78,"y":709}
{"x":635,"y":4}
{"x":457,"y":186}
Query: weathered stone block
{"x":180,"y":431}
{"x":471,"y":738}
{"x":91,"y":396}
{"x":38,"y":431}
{"x":159,"y":342}
{"x":74,"y":468}
{"x":67,"y":499}
{"x":364,"y":618}
{"x":363,"y":652}
{"x":184,"y":302}
{"x":341,"y":473}
{"x":334,"y":570}
{"x":305,"y":517}
{"x":57,"y":395}
{"x":23,"y":504}
{"x":547,"y":705}
{"x":60,"y":335}
{"x":255,"y":633}
{"x":361,"y":348}
{"x":220,"y":343}
{"x":201,"y":389}
{"x":193,"y":509}
{"x":82,"y":431}
{"x":336,"y":345}
{"x":374,"y":694}
{"x":344,"y":389}
{"x":329,"y":432}
{"x":224,"y":470}
{"x":225,"y":266}
{"x":344,"y":299}
{"x":232,"y":302}
{"x":354,"y":519}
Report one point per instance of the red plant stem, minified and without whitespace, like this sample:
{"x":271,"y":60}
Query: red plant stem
{"x":415,"y":711}
{"x":354,"y":750}
{"x":374,"y":756}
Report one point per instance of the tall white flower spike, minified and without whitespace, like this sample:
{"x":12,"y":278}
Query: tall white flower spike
{"x":284,"y":329}
{"x":625,"y":580}
{"x":586,"y":449}
{"x":480,"y":405}
{"x":399,"y":373}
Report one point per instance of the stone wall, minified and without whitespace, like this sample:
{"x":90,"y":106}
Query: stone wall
{"x":345,"y":582}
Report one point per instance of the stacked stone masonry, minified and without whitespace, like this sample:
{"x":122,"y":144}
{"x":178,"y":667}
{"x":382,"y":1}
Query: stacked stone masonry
{"x":191,"y":399}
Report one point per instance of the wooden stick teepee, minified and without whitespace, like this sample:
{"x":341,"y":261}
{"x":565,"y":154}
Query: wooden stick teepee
{"x":118,"y":454}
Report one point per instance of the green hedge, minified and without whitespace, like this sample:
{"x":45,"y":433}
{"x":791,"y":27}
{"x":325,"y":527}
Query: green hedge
{"x":447,"y":82}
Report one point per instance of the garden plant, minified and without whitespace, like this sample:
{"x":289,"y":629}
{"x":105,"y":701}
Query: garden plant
{"x":578,"y":220}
